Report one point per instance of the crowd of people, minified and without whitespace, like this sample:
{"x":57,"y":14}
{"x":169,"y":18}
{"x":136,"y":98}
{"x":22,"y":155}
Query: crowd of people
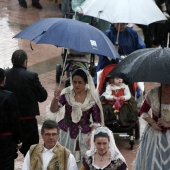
{"x":75,"y":133}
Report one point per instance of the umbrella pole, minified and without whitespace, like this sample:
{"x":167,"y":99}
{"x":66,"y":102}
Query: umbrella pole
{"x":160,"y":100}
{"x":65,"y":59}
{"x":116,"y":43}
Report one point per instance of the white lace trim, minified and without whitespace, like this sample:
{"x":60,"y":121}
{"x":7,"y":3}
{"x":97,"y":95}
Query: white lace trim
{"x":115,"y":153}
{"x":153,"y":100}
{"x":57,"y":116}
{"x":145,"y":115}
{"x":114,"y":87}
{"x":78,"y":108}
{"x":95,"y":124}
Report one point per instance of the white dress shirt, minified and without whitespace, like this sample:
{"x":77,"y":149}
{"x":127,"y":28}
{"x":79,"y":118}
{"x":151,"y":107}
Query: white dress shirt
{"x":46,"y":157}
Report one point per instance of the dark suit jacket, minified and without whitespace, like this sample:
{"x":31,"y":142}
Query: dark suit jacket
{"x":9,"y":115}
{"x":28,"y":89}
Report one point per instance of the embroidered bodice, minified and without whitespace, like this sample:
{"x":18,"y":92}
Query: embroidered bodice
{"x":153,"y":101}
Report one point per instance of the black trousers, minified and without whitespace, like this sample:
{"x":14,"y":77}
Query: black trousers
{"x":29,"y":134}
{"x":33,"y":1}
{"x":8,"y":152}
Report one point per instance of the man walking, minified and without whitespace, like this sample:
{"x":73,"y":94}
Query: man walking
{"x":50,"y":155}
{"x":29,"y":92}
{"x":9,"y":126}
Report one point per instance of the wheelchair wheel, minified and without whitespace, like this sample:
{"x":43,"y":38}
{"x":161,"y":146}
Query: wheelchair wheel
{"x":132,"y":137}
{"x":132,"y":141}
{"x":58,"y":72}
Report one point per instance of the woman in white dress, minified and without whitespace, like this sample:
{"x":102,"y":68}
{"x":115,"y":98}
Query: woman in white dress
{"x":154,"y":149}
{"x":103,"y":153}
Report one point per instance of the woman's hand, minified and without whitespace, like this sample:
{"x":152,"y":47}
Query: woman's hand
{"x":57,"y":94}
{"x":155,"y":126}
{"x":153,"y":123}
{"x":163,"y":123}
{"x":54,"y":102}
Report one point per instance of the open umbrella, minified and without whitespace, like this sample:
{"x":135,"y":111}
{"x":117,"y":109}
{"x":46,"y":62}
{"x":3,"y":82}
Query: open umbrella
{"x":124,"y":11}
{"x":70,"y":34}
{"x":145,"y":65}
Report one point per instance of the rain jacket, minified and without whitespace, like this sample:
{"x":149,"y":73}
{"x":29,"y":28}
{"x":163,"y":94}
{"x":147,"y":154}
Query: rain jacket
{"x":129,"y":40}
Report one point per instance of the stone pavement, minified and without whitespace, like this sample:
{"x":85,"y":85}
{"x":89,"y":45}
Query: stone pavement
{"x":42,"y":59}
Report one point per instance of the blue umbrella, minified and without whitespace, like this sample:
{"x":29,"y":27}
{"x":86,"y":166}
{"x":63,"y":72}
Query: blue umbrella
{"x":71,"y":34}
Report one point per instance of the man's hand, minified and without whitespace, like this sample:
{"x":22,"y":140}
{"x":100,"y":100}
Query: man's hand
{"x":19,"y":145}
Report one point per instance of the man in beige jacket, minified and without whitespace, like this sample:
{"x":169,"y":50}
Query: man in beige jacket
{"x":50,"y":155}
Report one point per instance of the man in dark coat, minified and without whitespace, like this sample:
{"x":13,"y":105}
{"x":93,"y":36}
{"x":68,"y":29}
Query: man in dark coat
{"x":29,"y":92}
{"x":156,"y":34}
{"x":9,"y":126}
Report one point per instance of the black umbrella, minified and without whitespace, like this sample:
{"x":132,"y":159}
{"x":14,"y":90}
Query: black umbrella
{"x":145,"y":65}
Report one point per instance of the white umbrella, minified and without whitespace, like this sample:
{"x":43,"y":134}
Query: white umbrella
{"x":124,"y":11}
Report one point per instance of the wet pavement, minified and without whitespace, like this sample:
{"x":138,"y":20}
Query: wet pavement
{"x":42,"y":59}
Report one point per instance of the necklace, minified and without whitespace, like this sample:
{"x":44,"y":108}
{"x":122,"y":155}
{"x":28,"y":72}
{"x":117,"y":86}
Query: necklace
{"x":101,"y":156}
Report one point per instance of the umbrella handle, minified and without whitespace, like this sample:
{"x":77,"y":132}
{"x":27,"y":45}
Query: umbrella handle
{"x":160,"y":101}
{"x":62,"y":74}
{"x":116,"y":43}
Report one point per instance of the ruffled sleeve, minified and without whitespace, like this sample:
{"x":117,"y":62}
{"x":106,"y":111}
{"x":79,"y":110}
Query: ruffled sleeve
{"x":59,"y":114}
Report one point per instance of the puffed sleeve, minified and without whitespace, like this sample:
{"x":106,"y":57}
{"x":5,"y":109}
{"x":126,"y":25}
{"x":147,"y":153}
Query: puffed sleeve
{"x":146,"y":106}
{"x":96,"y":114}
{"x":108,"y":93}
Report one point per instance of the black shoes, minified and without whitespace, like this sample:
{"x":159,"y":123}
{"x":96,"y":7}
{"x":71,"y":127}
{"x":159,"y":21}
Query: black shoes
{"x":23,"y":3}
{"x":37,"y":5}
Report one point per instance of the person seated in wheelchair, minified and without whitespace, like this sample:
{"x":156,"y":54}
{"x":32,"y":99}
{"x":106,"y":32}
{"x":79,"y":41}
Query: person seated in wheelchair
{"x":76,"y":60}
{"x":118,"y":104}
